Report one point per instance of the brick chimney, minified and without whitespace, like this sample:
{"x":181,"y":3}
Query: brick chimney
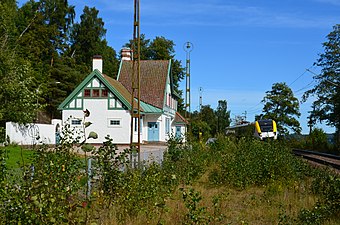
{"x":97,"y":63}
{"x":126,"y":54}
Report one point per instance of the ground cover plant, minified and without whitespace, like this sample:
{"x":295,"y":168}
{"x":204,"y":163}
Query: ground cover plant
{"x":229,"y":181}
{"x":17,"y":156}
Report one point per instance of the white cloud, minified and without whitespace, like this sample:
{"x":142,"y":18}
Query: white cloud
{"x":212,"y":13}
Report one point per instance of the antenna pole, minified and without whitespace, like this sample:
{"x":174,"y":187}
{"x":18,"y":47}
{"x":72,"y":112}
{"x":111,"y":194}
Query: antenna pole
{"x":188,"y":47}
{"x":200,"y":102}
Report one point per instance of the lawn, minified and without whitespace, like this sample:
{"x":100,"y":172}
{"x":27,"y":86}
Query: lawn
{"x":17,"y":156}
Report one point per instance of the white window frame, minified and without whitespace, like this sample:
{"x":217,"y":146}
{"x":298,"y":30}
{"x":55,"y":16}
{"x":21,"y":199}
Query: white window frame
{"x":167,"y":125}
{"x":114,"y":125}
{"x":135,"y":125}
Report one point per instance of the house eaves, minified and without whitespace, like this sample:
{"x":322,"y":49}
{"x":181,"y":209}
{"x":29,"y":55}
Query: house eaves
{"x":105,"y":80}
{"x":150,"y":109}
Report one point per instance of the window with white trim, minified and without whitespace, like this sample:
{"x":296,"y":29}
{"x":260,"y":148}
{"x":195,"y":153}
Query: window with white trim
{"x":135,"y":123}
{"x":167,"y":125}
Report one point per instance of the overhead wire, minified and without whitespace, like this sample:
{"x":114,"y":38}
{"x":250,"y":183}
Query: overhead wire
{"x":301,"y":75}
{"x":254,"y":109}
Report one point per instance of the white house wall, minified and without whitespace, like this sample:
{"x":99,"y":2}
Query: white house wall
{"x":183,"y":131}
{"x":150,"y":118}
{"x":161,"y":119}
{"x":99,"y":117}
{"x":163,"y":136}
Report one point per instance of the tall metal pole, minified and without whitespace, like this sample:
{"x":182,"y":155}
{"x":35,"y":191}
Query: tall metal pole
{"x":200,"y":100}
{"x":135,"y":106}
{"x":188,"y":47}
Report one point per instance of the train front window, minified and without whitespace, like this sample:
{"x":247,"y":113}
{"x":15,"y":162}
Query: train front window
{"x":266,"y":125}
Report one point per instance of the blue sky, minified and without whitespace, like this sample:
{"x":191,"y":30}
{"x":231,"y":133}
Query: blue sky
{"x":241,"y":48}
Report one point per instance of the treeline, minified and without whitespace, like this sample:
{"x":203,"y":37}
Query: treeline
{"x":208,"y":122}
{"x":44,"y":54}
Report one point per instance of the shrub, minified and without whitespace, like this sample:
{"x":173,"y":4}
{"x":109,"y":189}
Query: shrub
{"x":256,"y":163}
{"x":317,"y":140}
{"x":108,"y":169}
{"x":196,"y":214}
{"x":47,"y":191}
{"x":185,"y":162}
{"x":141,"y":192}
{"x":327,"y":186}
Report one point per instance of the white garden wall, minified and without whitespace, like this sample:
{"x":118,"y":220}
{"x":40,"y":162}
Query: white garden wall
{"x":31,"y":134}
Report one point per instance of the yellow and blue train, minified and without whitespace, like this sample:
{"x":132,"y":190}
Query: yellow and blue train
{"x":261,"y":129}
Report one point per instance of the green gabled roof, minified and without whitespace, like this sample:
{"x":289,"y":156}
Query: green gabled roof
{"x":110,"y":85}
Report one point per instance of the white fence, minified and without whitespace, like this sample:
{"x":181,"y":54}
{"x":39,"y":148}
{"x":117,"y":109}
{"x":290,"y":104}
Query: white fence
{"x":33,"y":134}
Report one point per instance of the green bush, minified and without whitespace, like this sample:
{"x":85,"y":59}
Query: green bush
{"x":141,"y":192}
{"x":46,"y":192}
{"x":108,"y":169}
{"x":54,"y":192}
{"x":254,"y":162}
{"x":185,"y":162}
{"x":327,"y":187}
{"x":317,"y":140}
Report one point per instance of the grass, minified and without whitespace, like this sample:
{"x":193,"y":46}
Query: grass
{"x":269,"y":204}
{"x":17,"y":156}
{"x":277,"y":201}
{"x":255,"y":205}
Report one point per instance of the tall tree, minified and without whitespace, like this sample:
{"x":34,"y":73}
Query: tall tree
{"x":16,"y":94}
{"x":223,"y":116}
{"x":8,"y":15}
{"x":204,"y":121}
{"x":326,"y":107}
{"x":281,"y":106}
{"x":87,"y":40}
{"x":44,"y":25}
{"x":65,"y":76}
{"x":59,"y":15}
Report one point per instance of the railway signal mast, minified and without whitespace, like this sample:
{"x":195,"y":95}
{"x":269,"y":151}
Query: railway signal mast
{"x":135,"y":103}
{"x":188,"y":47}
{"x":200,"y":91}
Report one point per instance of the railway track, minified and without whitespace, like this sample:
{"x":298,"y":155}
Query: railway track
{"x":320,"y":158}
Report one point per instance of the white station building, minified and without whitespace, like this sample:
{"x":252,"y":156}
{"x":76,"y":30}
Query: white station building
{"x":109,"y":103}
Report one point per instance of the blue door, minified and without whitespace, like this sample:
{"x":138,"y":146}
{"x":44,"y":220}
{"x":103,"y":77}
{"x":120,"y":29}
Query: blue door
{"x":153,"y":131}
{"x":178,"y":132}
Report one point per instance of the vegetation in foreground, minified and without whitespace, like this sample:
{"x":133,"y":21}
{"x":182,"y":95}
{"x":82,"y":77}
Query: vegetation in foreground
{"x":228,"y":182}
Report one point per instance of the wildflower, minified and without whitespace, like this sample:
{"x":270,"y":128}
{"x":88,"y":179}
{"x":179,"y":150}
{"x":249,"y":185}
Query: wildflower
{"x":84,"y":204}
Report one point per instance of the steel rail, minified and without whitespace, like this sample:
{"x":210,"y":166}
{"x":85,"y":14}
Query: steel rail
{"x":307,"y":154}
